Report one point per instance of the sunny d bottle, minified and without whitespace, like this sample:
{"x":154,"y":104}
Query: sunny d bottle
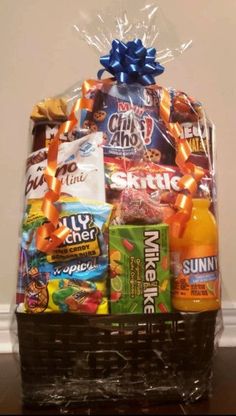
{"x":194,"y":259}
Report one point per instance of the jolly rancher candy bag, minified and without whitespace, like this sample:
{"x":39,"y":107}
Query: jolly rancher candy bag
{"x":120,"y":194}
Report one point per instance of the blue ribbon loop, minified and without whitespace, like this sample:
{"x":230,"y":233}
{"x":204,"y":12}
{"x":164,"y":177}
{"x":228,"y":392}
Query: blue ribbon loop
{"x":131,"y":62}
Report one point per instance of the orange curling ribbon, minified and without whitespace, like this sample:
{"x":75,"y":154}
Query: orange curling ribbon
{"x":187,"y":182}
{"x":165,"y":106}
{"x":177,"y":223}
{"x":196,"y":171}
{"x":92,"y":84}
{"x":192,"y":174}
{"x":184,"y":202}
{"x":175,"y":129}
{"x":183,"y":152}
{"x":51,"y":234}
{"x":178,"y":220}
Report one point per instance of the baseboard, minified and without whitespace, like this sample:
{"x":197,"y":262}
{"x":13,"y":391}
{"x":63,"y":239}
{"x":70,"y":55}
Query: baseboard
{"x":8,"y":341}
{"x":228,"y":337}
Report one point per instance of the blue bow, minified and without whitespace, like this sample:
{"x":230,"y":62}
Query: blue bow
{"x":131,"y":62}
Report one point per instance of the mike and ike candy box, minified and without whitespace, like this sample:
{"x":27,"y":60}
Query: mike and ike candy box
{"x":139,"y":269}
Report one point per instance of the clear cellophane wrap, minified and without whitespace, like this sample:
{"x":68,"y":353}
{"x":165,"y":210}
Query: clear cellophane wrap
{"x":119,"y":188}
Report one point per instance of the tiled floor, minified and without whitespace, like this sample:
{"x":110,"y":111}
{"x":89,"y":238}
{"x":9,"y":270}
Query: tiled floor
{"x":222,"y":402}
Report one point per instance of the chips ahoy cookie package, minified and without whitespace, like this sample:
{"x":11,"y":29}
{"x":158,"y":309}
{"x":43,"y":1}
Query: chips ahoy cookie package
{"x":118,"y":289}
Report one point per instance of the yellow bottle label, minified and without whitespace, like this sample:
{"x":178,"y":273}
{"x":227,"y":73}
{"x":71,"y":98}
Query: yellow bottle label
{"x":196,"y":274}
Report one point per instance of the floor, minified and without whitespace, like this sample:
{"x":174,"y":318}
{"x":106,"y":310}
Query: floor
{"x":223,"y":400}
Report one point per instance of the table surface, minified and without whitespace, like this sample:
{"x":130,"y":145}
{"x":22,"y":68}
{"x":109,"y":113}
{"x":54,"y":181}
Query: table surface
{"x":223,"y":400}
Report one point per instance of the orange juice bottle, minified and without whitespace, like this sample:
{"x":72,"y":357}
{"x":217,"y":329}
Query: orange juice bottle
{"x":194,"y":259}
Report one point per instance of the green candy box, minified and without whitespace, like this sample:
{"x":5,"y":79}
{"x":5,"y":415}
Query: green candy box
{"x":139,"y":269}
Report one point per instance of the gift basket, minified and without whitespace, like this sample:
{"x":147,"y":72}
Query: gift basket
{"x":118,"y":286}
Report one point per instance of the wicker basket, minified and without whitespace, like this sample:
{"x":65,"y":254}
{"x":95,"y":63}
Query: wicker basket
{"x":67,"y":358}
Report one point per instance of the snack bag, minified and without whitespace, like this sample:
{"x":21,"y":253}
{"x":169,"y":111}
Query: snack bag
{"x":64,"y":295}
{"x":47,"y":116}
{"x":81,"y":258}
{"x":79,"y":166}
{"x":87,"y":221}
{"x":129,"y":119}
{"x":196,"y":128}
{"x":145,"y":192}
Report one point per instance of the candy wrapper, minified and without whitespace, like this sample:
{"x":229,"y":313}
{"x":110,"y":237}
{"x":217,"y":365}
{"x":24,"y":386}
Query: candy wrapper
{"x":81,"y":261}
{"x":79,"y":165}
{"x":119,"y":237}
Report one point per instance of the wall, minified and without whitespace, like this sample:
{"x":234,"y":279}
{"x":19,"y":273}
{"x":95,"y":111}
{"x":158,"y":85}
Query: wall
{"x":42,"y":55}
